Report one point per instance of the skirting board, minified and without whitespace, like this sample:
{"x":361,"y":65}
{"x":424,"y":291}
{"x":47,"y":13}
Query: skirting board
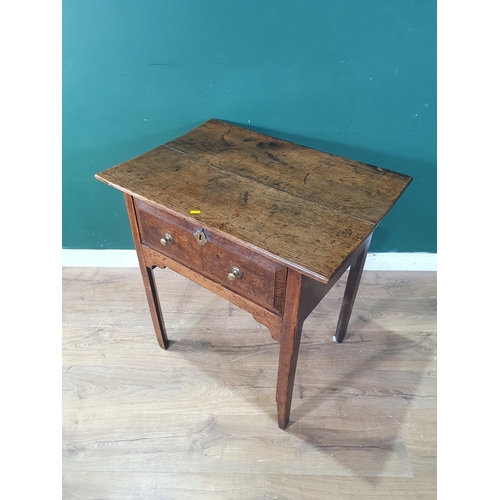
{"x":389,"y":261}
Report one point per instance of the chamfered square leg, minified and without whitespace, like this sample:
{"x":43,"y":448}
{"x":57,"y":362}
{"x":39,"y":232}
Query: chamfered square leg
{"x":154,"y":305}
{"x":291,"y":331}
{"x":147,"y":278}
{"x":351,"y":290}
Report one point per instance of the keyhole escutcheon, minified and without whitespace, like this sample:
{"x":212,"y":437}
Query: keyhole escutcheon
{"x":200,"y":237}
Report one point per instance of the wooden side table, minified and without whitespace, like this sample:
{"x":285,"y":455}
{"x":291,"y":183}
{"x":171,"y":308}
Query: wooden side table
{"x":264,"y":223}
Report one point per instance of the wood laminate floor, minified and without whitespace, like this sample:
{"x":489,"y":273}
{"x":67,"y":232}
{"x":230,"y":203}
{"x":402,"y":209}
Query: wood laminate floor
{"x":199,"y":421}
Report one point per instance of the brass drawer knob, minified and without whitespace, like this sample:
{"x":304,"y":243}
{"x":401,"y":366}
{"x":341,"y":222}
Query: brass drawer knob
{"x":235,"y":273}
{"x":167,"y":238}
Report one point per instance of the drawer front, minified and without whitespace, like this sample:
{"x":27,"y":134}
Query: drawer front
{"x":262,"y":281}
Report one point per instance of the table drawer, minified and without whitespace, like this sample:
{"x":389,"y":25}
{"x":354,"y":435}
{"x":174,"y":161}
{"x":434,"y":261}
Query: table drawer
{"x":262,"y":280}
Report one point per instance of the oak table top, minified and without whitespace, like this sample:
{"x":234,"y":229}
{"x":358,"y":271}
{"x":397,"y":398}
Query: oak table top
{"x":307,"y":209}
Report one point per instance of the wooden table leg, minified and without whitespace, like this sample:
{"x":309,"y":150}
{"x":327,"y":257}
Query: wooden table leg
{"x":154,"y":305}
{"x":351,"y":290}
{"x":291,"y":331}
{"x":148,"y":278}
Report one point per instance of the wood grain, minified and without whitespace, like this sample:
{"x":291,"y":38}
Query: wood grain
{"x":218,"y":486}
{"x":353,"y":188}
{"x":198,"y":420}
{"x":157,"y":485}
{"x":305,"y":209}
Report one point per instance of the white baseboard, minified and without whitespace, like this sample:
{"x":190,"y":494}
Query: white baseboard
{"x":99,"y":258}
{"x":388,"y":261}
{"x":393,"y":261}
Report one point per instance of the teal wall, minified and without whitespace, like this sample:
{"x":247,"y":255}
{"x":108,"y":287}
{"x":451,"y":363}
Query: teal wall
{"x":355,"y":78}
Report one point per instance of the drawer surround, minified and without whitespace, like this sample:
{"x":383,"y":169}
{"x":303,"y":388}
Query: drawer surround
{"x":263,"y":280}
